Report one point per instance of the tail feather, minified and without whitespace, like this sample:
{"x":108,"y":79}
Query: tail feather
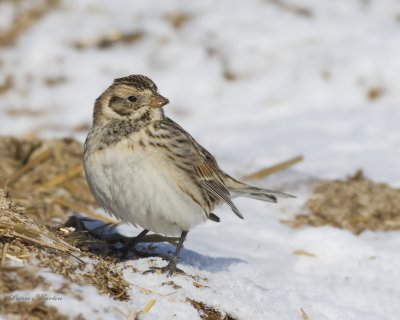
{"x":258,"y":193}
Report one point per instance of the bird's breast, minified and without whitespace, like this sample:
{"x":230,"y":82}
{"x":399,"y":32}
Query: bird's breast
{"x":133,"y":181}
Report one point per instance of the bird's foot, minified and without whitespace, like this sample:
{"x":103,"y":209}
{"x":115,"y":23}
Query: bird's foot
{"x":170,"y":269}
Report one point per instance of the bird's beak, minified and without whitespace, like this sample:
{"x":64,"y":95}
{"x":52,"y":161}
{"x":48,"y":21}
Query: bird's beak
{"x":158,"y":101}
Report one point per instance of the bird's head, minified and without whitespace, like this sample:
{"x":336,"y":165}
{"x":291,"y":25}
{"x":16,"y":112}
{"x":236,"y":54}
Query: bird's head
{"x":132,"y":97}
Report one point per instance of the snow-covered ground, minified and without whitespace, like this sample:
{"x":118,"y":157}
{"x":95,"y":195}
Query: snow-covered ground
{"x":256,"y":82}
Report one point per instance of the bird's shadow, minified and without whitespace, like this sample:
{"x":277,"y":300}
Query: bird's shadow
{"x":104,"y":240}
{"x":197,"y":260}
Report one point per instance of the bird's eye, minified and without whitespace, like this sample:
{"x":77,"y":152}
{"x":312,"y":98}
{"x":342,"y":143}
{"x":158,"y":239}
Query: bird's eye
{"x":131,"y":99}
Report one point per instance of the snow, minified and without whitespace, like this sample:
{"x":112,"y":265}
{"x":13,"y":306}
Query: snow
{"x":301,"y":87}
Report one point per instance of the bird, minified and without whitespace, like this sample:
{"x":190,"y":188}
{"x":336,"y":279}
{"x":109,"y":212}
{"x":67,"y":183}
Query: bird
{"x":146,"y":170}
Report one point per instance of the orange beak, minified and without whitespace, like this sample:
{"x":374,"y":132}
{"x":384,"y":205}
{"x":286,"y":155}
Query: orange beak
{"x":158,"y":101}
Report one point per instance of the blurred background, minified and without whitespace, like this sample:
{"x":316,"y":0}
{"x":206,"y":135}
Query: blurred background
{"x":256,"y":82}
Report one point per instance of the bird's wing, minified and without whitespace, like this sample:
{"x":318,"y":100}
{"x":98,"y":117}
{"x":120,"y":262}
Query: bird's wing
{"x":204,"y":166}
{"x":211,"y":181}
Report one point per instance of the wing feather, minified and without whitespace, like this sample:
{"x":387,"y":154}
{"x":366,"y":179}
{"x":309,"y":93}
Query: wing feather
{"x":205,"y":168}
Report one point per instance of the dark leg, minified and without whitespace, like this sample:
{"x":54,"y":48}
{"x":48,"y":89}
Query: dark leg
{"x":171,"y":268}
{"x":133,"y":242}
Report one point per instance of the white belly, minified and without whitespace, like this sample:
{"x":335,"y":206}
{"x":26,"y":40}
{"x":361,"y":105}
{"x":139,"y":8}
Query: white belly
{"x":135,"y":187}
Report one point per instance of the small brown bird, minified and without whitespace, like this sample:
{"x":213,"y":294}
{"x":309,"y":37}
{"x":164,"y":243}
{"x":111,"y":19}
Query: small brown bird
{"x":145,"y":169}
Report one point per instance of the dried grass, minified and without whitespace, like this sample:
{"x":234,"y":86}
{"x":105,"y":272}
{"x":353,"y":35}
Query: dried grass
{"x":36,"y":309}
{"x":109,"y":40}
{"x":177,"y":19}
{"x":292,"y":8}
{"x":16,"y":279}
{"x":14,"y":225}
{"x":304,"y":315}
{"x":356,"y":204}
{"x":209,"y":313}
{"x":375,"y":93}
{"x":24,"y":239}
{"x":46,"y":177}
{"x":7,"y":84}
{"x":25,"y":16}
{"x":262,"y":173}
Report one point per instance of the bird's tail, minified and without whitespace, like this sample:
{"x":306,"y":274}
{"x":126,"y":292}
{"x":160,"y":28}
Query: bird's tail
{"x":239,"y":189}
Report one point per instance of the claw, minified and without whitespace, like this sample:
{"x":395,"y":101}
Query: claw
{"x":170,"y":269}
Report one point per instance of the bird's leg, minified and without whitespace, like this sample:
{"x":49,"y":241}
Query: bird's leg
{"x":132,"y":243}
{"x":171,"y":268}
